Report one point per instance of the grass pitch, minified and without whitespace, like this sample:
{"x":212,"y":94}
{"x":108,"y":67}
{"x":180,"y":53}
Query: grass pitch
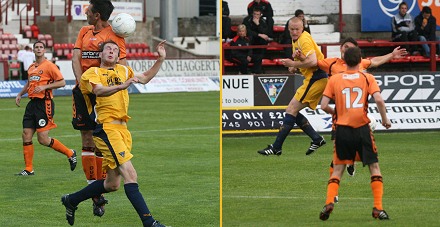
{"x":176,"y":155}
{"x":290,"y":190}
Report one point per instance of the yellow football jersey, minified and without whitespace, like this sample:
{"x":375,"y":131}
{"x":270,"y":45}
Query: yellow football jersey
{"x":307,"y":46}
{"x":113,"y":107}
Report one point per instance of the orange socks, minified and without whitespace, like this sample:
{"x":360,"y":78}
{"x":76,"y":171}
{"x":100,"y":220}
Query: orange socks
{"x":28,"y":153}
{"x":377,"y":188}
{"x":89,"y":164}
{"x":58,"y":146}
{"x":332,"y":190}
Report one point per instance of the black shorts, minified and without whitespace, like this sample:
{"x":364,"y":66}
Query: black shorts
{"x":39,"y":115}
{"x":83,"y":116}
{"x":349,"y":140}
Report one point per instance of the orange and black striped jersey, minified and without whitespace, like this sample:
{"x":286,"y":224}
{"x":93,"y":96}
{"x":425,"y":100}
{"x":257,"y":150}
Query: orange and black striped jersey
{"x":337,"y":65}
{"x":89,"y":43}
{"x":350,"y":91}
{"x":41,"y":74}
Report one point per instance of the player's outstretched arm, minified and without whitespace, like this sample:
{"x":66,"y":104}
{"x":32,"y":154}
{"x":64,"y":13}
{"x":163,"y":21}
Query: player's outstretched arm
{"x":103,"y":91}
{"x":148,"y":75}
{"x":398,"y":52}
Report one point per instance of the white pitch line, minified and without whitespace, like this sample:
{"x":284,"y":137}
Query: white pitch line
{"x":9,"y":109}
{"x":141,"y":131}
{"x":308,"y":197}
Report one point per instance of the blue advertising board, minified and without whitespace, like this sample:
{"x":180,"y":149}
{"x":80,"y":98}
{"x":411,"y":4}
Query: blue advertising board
{"x":376,"y":15}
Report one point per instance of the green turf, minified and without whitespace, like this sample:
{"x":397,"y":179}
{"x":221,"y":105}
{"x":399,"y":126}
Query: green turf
{"x":176,"y":147}
{"x":290,"y":190}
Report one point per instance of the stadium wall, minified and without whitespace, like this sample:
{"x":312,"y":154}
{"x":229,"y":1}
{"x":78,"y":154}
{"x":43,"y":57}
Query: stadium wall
{"x":179,"y":75}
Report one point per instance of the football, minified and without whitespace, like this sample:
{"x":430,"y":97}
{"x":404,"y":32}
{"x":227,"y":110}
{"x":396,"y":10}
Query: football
{"x":123,"y":25}
{"x":372,"y":122}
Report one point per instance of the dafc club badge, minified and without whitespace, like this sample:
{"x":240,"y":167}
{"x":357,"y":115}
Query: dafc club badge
{"x":273,"y":86}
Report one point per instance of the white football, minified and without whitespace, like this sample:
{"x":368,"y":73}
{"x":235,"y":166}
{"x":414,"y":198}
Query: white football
{"x":123,"y":25}
{"x":372,"y":122}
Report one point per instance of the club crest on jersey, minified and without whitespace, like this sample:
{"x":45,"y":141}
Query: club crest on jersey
{"x":42,"y":122}
{"x":273,"y":86}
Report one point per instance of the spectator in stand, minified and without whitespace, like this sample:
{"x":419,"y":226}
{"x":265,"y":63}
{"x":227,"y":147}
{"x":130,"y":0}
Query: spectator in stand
{"x":28,"y":57}
{"x":403,"y":27}
{"x":257,"y":30}
{"x":426,"y":25}
{"x":20,"y":53}
{"x":286,"y":39}
{"x":226,"y":21}
{"x":266,"y":10}
{"x":242,"y":57}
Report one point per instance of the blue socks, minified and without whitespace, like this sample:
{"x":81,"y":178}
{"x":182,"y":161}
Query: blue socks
{"x":304,"y":124}
{"x":138,"y":202}
{"x":94,"y":189}
{"x":288,"y":123}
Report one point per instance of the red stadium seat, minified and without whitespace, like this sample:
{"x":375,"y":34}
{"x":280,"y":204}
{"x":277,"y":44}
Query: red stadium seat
{"x":401,"y":60}
{"x":58,"y":50}
{"x":12,"y":39}
{"x":4,"y":39}
{"x":381,"y":42}
{"x":278,"y":28}
{"x":144,"y":47}
{"x":13,"y":48}
{"x":271,"y":46}
{"x":49,"y":40}
{"x":14,"y":70}
{"x":134,"y":48}
{"x":68,"y":48}
{"x":227,"y":63}
{"x":420,"y":59}
{"x":5,"y":49}
{"x":130,"y":56}
{"x":268,"y":62}
{"x":27,"y":32}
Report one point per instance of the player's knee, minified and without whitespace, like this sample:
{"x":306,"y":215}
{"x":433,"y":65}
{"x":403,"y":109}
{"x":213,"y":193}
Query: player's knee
{"x":87,"y":138}
{"x":45,"y":141}
{"x":301,"y":121}
{"x":113,"y":186}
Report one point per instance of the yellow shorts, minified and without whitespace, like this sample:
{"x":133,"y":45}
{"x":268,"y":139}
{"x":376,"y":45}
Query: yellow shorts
{"x":114,"y":141}
{"x":311,"y":92}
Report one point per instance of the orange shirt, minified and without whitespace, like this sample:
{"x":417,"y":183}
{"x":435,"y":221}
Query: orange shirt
{"x":89,"y":43}
{"x":42,"y":74}
{"x":338,"y":65}
{"x":350,"y":92}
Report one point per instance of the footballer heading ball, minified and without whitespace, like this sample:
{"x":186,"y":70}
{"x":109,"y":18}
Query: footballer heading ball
{"x":123,"y":25}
